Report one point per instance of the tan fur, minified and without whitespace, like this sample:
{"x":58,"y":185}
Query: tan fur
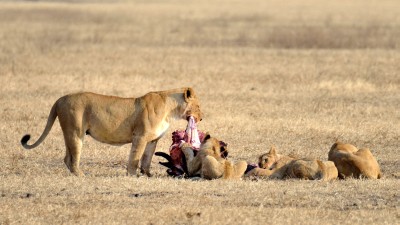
{"x":271,"y":165}
{"x":352,"y":162}
{"x":113,"y":120}
{"x":278,"y":166}
{"x":272,"y":160}
{"x":209,"y":164}
{"x":312,"y":170}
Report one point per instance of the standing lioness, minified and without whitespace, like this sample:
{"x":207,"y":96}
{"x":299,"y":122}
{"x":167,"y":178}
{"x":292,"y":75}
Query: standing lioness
{"x":141,"y":121}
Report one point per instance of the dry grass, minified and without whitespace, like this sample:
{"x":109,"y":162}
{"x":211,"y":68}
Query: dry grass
{"x":298,"y":74}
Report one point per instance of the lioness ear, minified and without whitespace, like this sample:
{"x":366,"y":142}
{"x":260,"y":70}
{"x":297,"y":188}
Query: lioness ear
{"x":207,"y":137}
{"x":189,"y":93}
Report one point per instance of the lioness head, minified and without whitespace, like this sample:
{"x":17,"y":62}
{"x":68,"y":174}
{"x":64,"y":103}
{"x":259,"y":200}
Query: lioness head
{"x":266,"y":160}
{"x":214,"y":147}
{"x":344,"y":147}
{"x":192,"y":105}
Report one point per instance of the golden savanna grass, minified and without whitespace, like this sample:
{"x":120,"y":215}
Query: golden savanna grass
{"x":295,"y":74}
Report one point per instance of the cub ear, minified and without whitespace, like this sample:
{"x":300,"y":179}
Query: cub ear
{"x":272,"y":151}
{"x":224,"y":152}
{"x":189,"y":93}
{"x":208,"y":136}
{"x":222,"y":148}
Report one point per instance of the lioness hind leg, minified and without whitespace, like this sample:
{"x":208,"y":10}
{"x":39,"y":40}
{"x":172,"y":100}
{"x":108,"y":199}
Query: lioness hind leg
{"x":234,"y":171}
{"x":211,"y":168}
{"x":71,"y":125}
{"x":73,"y":146}
{"x":67,"y":159}
{"x":239,"y":169}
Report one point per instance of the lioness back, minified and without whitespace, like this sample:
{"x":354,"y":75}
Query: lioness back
{"x":357,"y":164}
{"x":107,"y":119}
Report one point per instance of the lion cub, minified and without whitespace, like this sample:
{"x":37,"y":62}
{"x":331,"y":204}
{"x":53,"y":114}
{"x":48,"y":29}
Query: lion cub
{"x":278,"y":166}
{"x":210,"y":162}
{"x":353,"y":162}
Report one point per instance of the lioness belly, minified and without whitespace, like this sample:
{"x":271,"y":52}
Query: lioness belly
{"x":110,"y":138}
{"x":114,"y":135}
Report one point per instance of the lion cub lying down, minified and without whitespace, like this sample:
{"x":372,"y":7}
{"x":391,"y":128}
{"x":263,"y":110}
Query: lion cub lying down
{"x":278,"y":166}
{"x":209,"y":163}
{"x":353,"y":162}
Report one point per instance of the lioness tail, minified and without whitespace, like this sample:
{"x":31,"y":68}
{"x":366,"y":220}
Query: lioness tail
{"x":50,"y":121}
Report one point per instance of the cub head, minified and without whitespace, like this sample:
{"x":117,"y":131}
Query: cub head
{"x":192,"y":105}
{"x":267,"y":160}
{"x":214,"y":147}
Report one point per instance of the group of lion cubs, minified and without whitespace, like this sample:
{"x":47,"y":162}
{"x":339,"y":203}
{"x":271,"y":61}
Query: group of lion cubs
{"x":345,"y":161}
{"x":144,"y":120}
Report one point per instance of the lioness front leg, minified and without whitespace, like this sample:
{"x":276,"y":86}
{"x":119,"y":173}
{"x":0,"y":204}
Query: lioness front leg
{"x":138,"y":146}
{"x":259,"y":172}
{"x":145,"y":162}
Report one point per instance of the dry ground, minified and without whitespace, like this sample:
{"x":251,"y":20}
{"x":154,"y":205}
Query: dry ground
{"x":298,"y":74}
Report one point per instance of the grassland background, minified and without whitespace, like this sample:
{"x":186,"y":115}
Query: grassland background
{"x":296,"y":74}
